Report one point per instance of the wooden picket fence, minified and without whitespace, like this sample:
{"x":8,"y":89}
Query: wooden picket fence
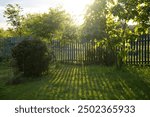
{"x":74,"y":52}
{"x":79,"y":52}
{"x":139,"y":53}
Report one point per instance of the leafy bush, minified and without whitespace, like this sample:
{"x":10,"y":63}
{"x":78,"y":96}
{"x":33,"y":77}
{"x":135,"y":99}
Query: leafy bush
{"x":31,"y":57}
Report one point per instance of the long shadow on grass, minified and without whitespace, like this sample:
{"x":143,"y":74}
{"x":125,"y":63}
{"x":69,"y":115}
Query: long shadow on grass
{"x":94,"y":83}
{"x":138,"y":82}
{"x":118,"y":84}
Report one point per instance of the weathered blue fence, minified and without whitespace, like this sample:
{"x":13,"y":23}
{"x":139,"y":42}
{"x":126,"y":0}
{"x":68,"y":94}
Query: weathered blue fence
{"x":6,"y":46}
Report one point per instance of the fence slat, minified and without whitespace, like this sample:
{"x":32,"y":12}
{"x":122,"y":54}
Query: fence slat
{"x":145,"y":56}
{"x":148,"y":49}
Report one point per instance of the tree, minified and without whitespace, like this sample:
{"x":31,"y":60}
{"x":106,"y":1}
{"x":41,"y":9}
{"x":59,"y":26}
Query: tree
{"x":98,"y":22}
{"x":68,"y":33}
{"x":14,"y":17}
{"x":94,"y":26}
{"x":54,"y":24}
{"x":125,"y":11}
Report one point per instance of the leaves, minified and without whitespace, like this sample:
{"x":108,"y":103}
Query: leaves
{"x":14,"y":17}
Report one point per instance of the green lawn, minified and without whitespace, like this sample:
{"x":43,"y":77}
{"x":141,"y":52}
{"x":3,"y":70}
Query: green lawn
{"x":80,"y":82}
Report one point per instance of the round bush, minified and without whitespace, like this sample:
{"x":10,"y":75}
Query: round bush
{"x":31,"y":57}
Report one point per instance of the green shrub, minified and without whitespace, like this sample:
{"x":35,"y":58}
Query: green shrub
{"x":31,"y":57}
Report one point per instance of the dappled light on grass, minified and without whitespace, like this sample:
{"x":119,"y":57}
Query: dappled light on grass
{"x":83,"y":83}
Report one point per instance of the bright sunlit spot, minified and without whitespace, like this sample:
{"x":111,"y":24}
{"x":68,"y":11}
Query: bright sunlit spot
{"x":76,"y":8}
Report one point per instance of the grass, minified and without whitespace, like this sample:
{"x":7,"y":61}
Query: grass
{"x":70,"y":82}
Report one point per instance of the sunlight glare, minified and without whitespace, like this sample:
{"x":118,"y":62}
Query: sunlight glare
{"x":76,"y":8}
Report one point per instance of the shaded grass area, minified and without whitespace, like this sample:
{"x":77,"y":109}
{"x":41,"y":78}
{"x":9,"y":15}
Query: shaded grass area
{"x":80,"y":82}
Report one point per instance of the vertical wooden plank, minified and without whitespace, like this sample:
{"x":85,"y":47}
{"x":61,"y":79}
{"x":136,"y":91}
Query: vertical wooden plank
{"x":134,"y":52}
{"x":142,"y":50}
{"x":63,"y":52}
{"x":94,"y":52}
{"x":68,"y":53}
{"x":51,"y":46}
{"x":137,"y":52}
{"x":131,"y":54}
{"x":148,"y":50}
{"x":57,"y":51}
{"x":86,"y":50}
{"x":83,"y":45}
{"x":79,"y":52}
{"x":76,"y":49}
{"x":54,"y":47}
{"x":60,"y":52}
{"x":128,"y":58}
{"x":140,"y":41}
{"x":72,"y":52}
{"x":145,"y":55}
{"x":91,"y":52}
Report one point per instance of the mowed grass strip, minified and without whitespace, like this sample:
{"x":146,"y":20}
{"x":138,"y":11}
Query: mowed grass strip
{"x":74,"y":82}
